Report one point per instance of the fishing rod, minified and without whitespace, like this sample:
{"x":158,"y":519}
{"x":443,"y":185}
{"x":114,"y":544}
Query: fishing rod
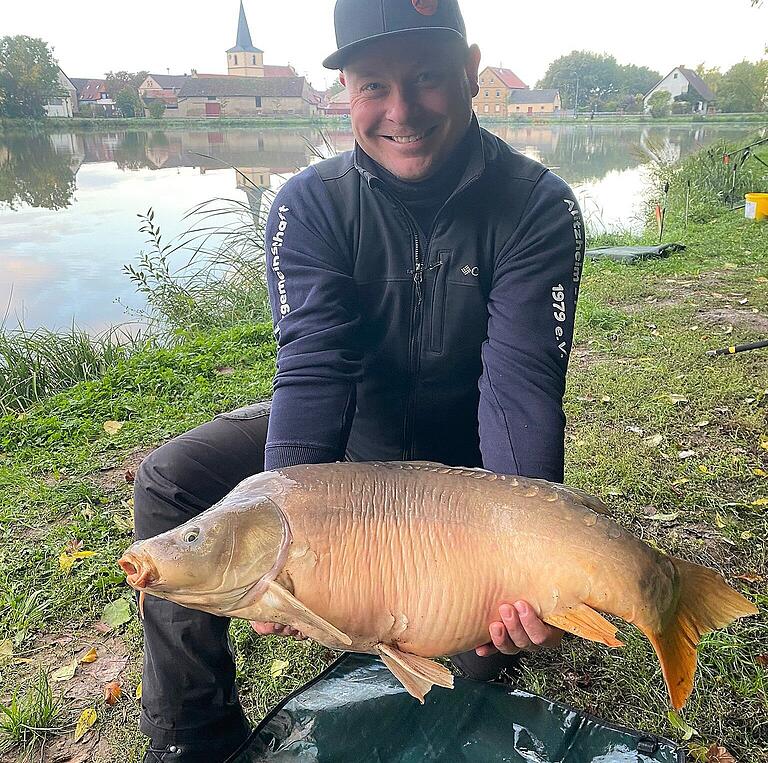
{"x":739,"y":348}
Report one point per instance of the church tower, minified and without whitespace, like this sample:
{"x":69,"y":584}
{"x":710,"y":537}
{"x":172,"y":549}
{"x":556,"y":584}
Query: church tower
{"x":244,"y":60}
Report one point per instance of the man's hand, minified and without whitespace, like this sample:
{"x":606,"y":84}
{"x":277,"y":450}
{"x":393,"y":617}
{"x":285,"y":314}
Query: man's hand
{"x":276,"y":629}
{"x":520,"y":629}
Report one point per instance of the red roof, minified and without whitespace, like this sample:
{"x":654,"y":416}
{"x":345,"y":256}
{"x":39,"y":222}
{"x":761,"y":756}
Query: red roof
{"x":279,"y":71}
{"x":509,"y":78}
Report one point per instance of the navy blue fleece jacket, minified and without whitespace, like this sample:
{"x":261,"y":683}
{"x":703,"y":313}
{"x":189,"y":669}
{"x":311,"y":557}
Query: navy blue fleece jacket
{"x":449,"y":346}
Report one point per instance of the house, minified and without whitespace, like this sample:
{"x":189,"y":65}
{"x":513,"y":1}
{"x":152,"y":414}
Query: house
{"x":684,"y":85}
{"x":94,"y":93}
{"x":533,"y":103}
{"x":162,"y":85}
{"x":496,"y":84}
{"x":246,"y":97}
{"x":337,"y":105}
{"x":64,"y":102}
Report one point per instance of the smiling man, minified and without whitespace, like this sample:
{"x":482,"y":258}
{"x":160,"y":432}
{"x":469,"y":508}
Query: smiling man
{"x":423,"y":288}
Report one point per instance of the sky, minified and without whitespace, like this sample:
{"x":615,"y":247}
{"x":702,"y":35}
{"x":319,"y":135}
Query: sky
{"x":91,"y":37}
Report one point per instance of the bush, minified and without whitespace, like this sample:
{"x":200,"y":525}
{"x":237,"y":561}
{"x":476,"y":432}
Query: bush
{"x":156,"y":109}
{"x":660,"y":103}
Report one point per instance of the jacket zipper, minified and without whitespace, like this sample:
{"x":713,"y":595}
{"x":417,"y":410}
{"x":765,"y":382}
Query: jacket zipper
{"x":414,"y":344}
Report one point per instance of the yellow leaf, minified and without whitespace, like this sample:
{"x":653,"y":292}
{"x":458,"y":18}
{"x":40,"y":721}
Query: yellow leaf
{"x":65,"y":673}
{"x":703,"y":469}
{"x":67,"y":560}
{"x":138,"y":691}
{"x":764,"y":443}
{"x":761,"y":473}
{"x":277,"y":668}
{"x":84,"y":722}
{"x":760,"y":502}
{"x":682,"y":481}
{"x":6,"y":648}
{"x":89,"y":657}
{"x":113,"y":427}
{"x":719,"y":521}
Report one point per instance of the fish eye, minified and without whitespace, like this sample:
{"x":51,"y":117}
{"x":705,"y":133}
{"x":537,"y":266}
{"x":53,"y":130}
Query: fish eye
{"x":191,"y":535}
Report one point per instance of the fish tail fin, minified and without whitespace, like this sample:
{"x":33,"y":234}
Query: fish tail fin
{"x":706,"y":603}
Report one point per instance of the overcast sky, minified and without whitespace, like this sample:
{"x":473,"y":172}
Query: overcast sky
{"x":91,"y":37}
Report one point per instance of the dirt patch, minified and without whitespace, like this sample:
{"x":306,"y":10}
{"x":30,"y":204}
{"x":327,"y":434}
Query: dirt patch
{"x":633,"y":308}
{"x":111,"y":477}
{"x":742,"y":318}
{"x":583,"y":357}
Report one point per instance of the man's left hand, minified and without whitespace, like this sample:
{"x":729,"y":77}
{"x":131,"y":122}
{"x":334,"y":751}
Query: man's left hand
{"x":519,"y":629}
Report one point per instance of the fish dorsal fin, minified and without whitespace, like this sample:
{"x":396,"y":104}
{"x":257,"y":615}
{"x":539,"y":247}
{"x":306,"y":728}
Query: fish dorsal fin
{"x":300,"y":617}
{"x":585,"y":622}
{"x":584,"y":498}
{"x":417,"y":674}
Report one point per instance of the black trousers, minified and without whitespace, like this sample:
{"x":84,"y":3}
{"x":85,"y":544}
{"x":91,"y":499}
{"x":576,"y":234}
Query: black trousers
{"x":188,"y":684}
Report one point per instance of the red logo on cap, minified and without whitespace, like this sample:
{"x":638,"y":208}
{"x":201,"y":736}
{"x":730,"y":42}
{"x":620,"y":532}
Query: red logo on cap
{"x":425,"y":7}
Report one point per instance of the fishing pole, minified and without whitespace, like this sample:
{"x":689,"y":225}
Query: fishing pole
{"x":739,"y":348}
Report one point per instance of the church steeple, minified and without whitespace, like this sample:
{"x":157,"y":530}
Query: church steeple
{"x":245,"y":60}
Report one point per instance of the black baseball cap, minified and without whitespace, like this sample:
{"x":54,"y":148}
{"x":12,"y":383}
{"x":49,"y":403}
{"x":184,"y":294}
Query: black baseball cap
{"x":360,"y":21}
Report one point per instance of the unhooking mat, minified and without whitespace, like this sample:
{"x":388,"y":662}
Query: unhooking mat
{"x":357,"y":712}
{"x":630,"y":254}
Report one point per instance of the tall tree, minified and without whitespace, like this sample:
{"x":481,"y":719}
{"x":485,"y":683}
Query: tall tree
{"x":29,"y":76}
{"x":743,"y":87}
{"x":712,"y":76}
{"x":637,"y":80}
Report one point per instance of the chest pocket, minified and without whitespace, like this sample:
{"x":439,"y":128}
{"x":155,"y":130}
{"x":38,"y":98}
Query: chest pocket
{"x":440,"y":267}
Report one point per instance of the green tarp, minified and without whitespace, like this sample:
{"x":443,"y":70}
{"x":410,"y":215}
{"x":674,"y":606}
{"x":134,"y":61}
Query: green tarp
{"x":630,"y":254}
{"x":356,"y":711}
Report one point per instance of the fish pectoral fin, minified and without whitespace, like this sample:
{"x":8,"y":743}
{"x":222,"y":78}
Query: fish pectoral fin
{"x":417,"y":674}
{"x":301,"y":617}
{"x":585,"y":622}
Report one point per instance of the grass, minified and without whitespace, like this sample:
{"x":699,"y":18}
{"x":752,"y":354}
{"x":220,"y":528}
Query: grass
{"x":641,"y":392}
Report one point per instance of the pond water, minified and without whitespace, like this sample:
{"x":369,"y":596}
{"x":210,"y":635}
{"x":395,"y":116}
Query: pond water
{"x":69,"y":201}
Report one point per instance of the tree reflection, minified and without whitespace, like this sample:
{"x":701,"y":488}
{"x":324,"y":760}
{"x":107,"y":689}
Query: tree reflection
{"x":33,"y":174}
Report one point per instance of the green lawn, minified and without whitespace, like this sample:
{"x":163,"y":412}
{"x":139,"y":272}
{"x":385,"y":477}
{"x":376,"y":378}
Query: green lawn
{"x":676,"y":443}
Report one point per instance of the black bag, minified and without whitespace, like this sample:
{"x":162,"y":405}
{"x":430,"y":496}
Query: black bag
{"x":357,"y":712}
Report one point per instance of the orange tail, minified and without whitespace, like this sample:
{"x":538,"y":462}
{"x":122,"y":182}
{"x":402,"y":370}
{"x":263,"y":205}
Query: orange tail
{"x":706,"y":603}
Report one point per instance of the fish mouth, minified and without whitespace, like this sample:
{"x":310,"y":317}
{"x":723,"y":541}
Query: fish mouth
{"x":140,"y":573}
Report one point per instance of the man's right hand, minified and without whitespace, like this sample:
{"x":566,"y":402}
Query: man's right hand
{"x":276,"y":629}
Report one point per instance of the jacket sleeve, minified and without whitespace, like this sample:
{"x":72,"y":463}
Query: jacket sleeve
{"x":530,"y":332}
{"x":315,"y":314}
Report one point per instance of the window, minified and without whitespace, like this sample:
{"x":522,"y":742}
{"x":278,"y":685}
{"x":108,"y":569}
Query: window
{"x":492,"y":80}
{"x":258,"y":101}
{"x":254,"y":60}
{"x":482,"y":80}
{"x":235,"y":57}
{"x":211,"y":97}
{"x":674,"y":76}
{"x":517,"y":108}
{"x":485,"y":108}
{"x":498,"y":108}
{"x":498,"y":93}
{"x":486,"y":93}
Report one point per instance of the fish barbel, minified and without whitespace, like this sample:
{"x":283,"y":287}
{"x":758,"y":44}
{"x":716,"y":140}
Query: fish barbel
{"x":411,"y":560}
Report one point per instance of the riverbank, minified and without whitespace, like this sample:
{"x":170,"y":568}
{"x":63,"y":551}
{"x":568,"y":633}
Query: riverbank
{"x":58,"y":124}
{"x":676,"y":442}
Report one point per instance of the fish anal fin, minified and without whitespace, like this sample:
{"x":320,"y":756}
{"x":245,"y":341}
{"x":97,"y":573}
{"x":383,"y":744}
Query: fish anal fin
{"x":282,"y":601}
{"x":417,"y":674}
{"x":585,"y":622}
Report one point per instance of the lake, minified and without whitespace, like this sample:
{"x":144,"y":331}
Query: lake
{"x":69,"y":201}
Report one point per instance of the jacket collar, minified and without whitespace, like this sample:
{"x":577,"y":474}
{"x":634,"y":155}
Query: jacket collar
{"x":474,"y":169}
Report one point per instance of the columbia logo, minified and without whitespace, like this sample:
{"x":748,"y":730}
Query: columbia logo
{"x":470,"y":271}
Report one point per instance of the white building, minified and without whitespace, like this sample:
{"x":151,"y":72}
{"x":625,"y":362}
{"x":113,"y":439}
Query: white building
{"x":64,"y":102}
{"x":681,"y":81}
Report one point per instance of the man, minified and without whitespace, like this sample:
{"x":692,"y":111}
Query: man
{"x":423,"y":289}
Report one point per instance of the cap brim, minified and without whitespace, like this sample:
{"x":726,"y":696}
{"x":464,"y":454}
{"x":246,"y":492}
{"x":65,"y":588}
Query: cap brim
{"x":337,"y":60}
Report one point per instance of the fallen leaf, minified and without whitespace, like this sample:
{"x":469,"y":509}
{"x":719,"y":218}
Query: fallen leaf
{"x":73,"y":546}
{"x":138,"y":691}
{"x":761,"y":473}
{"x":678,"y":399}
{"x":665,"y":517}
{"x":750,"y":578}
{"x":728,"y":329}
{"x":683,"y":454}
{"x":680,"y":725}
{"x":634,"y":430}
{"x":717,"y":754}
{"x":762,"y":659}
{"x":90,"y":656}
{"x":113,"y":427}
{"x":703,"y":469}
{"x":65,"y":673}
{"x":719,"y":521}
{"x":605,"y":399}
{"x":112,"y":692}
{"x":129,"y":476}
{"x":67,"y":561}
{"x":764,"y":443}
{"x":84,"y":722}
{"x":117,"y":613}
{"x":6,"y":648}
{"x":702,"y":424}
{"x":679,"y":482}
{"x":655,"y":440}
{"x":277,"y":668}
{"x":746,"y":535}
{"x":760,"y":502}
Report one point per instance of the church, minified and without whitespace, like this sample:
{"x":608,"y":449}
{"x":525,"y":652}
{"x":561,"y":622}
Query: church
{"x":250,"y":88}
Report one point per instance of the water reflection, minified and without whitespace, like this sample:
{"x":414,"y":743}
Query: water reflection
{"x":68,"y":201}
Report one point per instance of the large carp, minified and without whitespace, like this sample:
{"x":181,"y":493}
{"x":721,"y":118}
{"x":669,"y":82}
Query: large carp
{"x":411,"y":561}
